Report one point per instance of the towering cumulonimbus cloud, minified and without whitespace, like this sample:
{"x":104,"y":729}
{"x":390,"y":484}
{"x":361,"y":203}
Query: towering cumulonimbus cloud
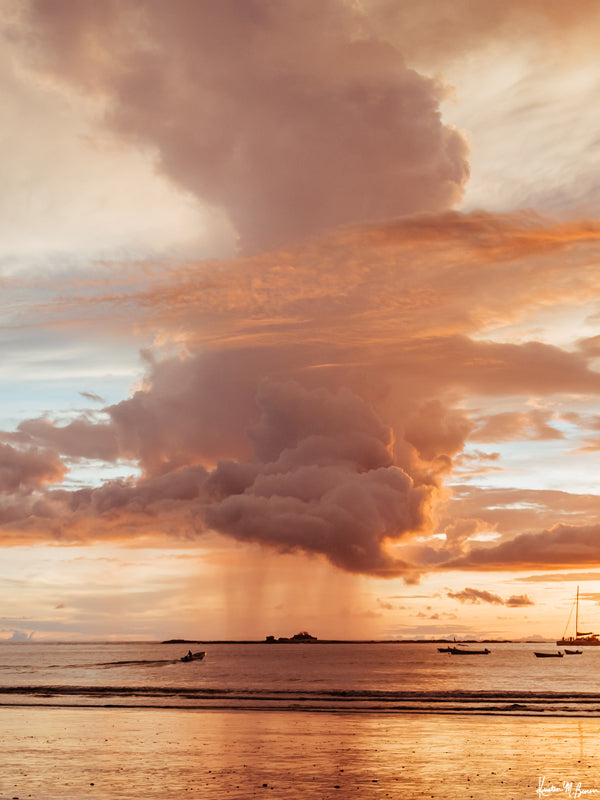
{"x":321,"y":478}
{"x":324,"y":482}
{"x":291,"y":117}
{"x":317,"y":402}
{"x":324,"y":415}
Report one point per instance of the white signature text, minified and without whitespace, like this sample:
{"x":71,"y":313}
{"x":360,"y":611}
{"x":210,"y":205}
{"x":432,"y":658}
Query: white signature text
{"x":570,"y":788}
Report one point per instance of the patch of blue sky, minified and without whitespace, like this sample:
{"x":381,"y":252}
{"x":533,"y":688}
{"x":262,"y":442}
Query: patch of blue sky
{"x":58,"y":398}
{"x":91,"y":473}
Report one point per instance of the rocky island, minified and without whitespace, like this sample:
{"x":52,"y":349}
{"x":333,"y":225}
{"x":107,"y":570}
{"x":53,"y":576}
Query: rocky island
{"x":301,"y":637}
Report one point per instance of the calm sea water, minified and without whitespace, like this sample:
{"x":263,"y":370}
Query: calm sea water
{"x":390,"y":677}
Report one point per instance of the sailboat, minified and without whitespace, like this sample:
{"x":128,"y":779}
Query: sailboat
{"x":587,"y":639}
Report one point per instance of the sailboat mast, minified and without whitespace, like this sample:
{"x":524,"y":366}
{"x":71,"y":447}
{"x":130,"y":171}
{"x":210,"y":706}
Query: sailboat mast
{"x":577,"y":614}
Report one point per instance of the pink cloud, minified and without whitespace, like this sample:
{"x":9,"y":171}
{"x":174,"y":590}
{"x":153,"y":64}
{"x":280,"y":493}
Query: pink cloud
{"x":477,"y":596}
{"x":79,"y":438}
{"x":322,"y":480}
{"x":25,"y":470}
{"x":328,"y":376}
{"x":518,"y":601}
{"x":437,"y":32}
{"x":562,"y":546}
{"x":511,"y":425}
{"x":291,"y":121}
{"x":469,"y":595}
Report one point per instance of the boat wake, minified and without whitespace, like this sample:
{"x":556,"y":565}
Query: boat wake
{"x":146,"y":663}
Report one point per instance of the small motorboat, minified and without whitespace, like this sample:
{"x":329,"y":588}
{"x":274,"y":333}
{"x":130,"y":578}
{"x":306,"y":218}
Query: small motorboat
{"x":193,"y":656}
{"x":457,"y":651}
{"x":549,"y":655}
{"x":444,"y":649}
{"x":573,"y":652}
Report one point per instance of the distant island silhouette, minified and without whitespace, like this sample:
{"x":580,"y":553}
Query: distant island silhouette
{"x":182,"y":641}
{"x":303,"y":636}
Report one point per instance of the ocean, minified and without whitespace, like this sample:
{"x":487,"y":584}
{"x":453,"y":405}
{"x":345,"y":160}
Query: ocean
{"x":381,"y":677}
{"x":307,"y":721}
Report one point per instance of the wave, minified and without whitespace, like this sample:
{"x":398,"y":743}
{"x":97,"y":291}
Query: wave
{"x":355,"y":701}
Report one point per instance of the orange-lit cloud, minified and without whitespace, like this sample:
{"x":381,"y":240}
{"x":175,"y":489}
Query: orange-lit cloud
{"x":511,"y":425}
{"x":25,"y":470}
{"x":518,"y":601}
{"x":470,"y":595}
{"x":327,"y":415}
{"x":437,"y":32}
{"x":564,"y":546}
{"x":512,"y":511}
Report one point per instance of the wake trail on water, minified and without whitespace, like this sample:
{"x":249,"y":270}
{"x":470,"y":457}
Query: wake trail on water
{"x":146,"y":663}
{"x":29,"y":668}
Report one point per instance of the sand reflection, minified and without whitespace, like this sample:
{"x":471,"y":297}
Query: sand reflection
{"x":125,"y":753}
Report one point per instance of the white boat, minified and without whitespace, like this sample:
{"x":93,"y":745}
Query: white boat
{"x":585,"y":639}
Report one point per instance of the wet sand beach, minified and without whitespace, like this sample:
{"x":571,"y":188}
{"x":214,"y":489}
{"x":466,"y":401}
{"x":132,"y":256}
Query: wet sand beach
{"x":76,"y":753}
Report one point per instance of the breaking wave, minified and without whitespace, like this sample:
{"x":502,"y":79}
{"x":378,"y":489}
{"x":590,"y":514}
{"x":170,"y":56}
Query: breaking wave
{"x":443,"y":702}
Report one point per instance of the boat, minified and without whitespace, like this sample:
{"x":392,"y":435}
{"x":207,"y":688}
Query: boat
{"x":193,"y":656}
{"x":573,"y":652}
{"x":586,"y":639}
{"x":549,"y":655}
{"x":457,"y":651}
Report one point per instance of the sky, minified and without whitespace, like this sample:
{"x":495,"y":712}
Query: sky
{"x":299,"y":318}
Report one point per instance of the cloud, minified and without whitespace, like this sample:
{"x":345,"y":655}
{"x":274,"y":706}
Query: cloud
{"x":322,"y":480}
{"x":469,"y":595}
{"x":93,"y":397}
{"x":565,"y":546}
{"x":511,"y":511}
{"x":289,"y":120}
{"x":518,"y":600}
{"x":349,"y":372}
{"x":434,"y":430}
{"x":561,"y":577}
{"x":437,"y":32}
{"x":476,"y":596}
{"x":24,"y":470}
{"x":327,"y":483}
{"x":79,"y":438}
{"x":512,"y":425}
{"x":460,"y":530}
{"x":76,"y":191}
